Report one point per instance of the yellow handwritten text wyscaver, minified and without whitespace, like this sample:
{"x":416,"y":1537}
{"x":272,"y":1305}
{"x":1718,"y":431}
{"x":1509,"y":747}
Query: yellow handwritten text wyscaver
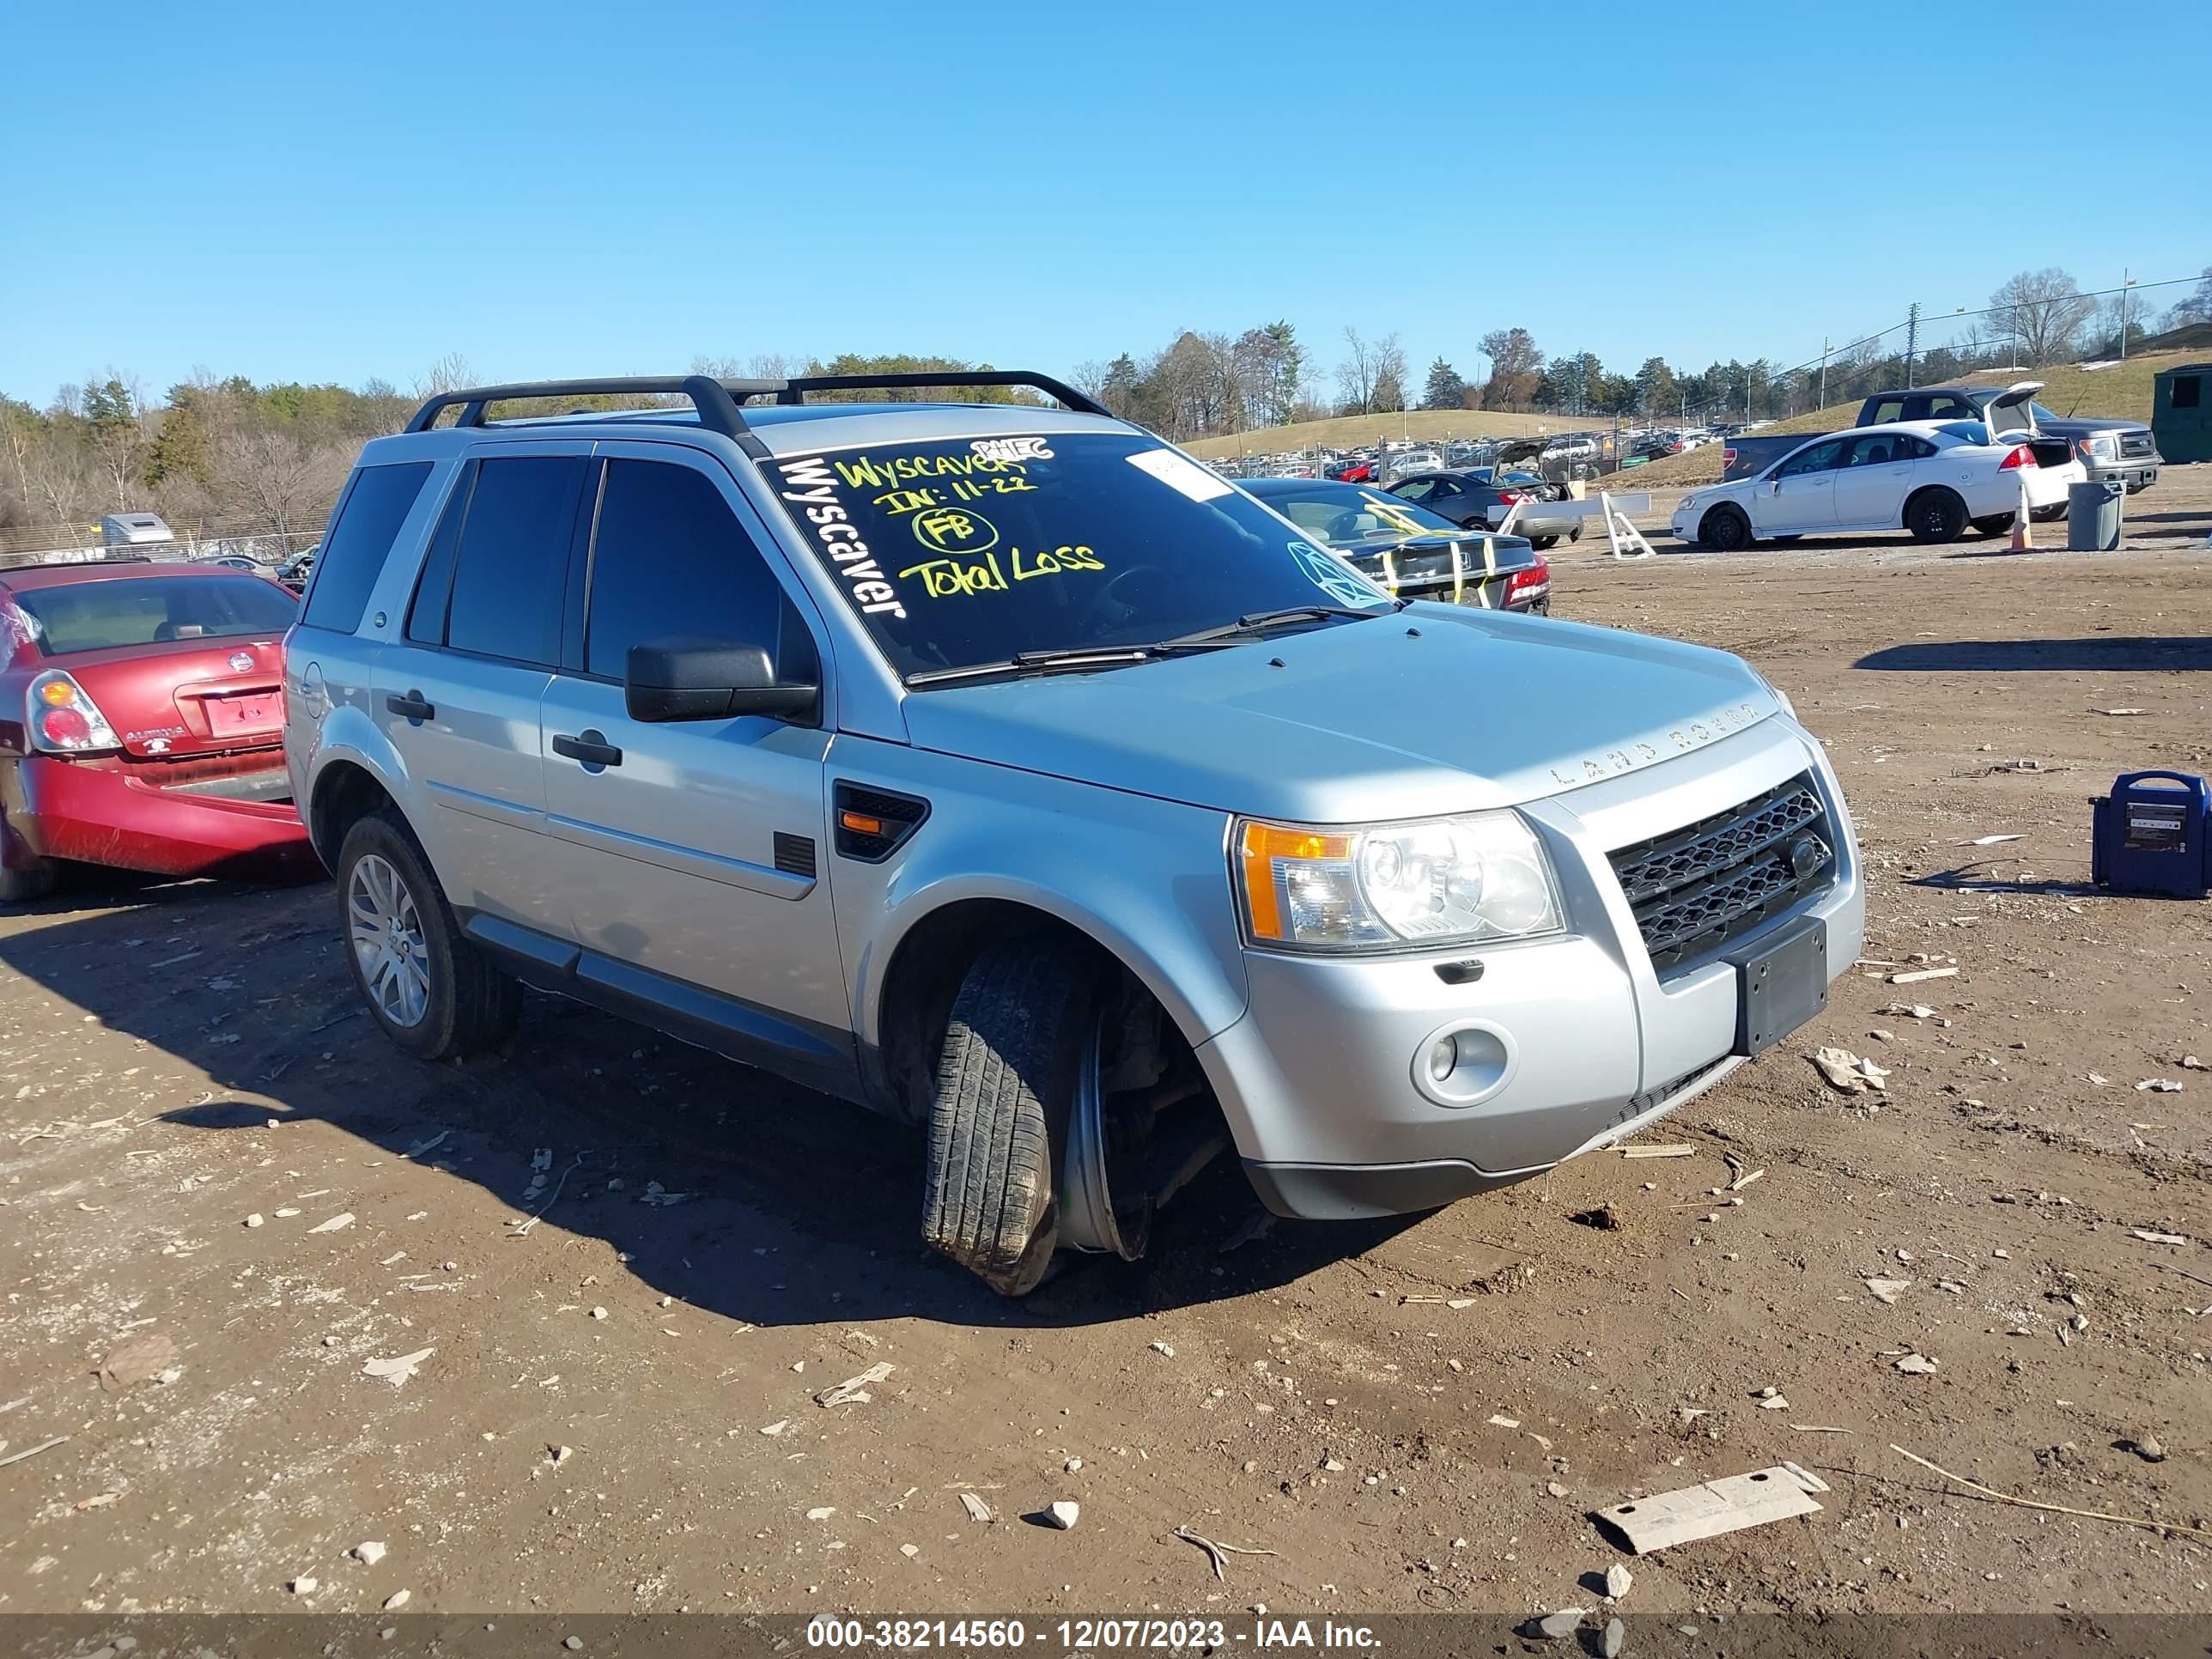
{"x":944,"y":579}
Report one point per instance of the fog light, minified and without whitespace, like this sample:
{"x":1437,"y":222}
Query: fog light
{"x":1466,"y":1062}
{"x":1443,"y":1057}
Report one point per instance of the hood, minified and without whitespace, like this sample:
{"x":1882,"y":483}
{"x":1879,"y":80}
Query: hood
{"x":1438,"y":709}
{"x":2086,"y":426}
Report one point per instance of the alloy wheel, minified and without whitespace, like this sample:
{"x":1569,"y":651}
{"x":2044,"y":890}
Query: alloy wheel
{"x":386,"y":932}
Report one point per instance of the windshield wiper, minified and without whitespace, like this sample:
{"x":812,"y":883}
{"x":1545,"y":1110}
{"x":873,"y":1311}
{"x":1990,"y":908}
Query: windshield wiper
{"x":1128,"y":656}
{"x":1032,"y":662}
{"x":1258,"y":621}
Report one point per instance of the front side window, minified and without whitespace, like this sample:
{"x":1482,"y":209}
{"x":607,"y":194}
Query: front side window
{"x":511,"y":568}
{"x":959,"y":552}
{"x":669,"y":561}
{"x":1949,"y":409}
{"x":2187,"y":390}
{"x":1889,"y":410}
{"x":1820,"y":457}
{"x":100,"y":616}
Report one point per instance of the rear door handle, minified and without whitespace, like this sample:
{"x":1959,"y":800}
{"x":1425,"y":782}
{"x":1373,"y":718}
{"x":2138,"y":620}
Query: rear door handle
{"x":411,"y":706}
{"x":590,"y":747}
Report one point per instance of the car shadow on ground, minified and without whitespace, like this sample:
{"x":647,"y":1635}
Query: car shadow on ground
{"x":2097,"y":654}
{"x":735,"y":1191}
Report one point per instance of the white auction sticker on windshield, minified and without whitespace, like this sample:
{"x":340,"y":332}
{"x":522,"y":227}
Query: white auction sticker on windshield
{"x":1178,"y":474}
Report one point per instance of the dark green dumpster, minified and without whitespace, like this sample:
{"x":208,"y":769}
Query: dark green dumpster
{"x":2181,"y":412}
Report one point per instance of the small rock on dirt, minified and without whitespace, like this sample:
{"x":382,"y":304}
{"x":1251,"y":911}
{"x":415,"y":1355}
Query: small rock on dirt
{"x":301,"y":1587}
{"x":398,"y":1600}
{"x":1618,"y":1578}
{"x":1889,"y":1290}
{"x":255,"y":1220}
{"x":2148,"y":1448}
{"x":1063,"y":1514}
{"x":1555,"y":1489}
{"x":1162,"y":1348}
{"x":1073,"y":1466}
{"x":141,"y":1360}
{"x":1916,"y":1365}
{"x":1565,"y":1622}
{"x":977,"y":1508}
{"x":1615,"y":1639}
{"x":368,"y":1554}
{"x":1604,"y":1218}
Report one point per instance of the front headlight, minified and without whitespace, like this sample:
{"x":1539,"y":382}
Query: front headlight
{"x":2103,"y":446}
{"x":1394,"y":886}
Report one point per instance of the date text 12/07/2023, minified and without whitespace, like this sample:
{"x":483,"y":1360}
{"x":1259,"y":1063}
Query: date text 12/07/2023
{"x":1086,"y":1635}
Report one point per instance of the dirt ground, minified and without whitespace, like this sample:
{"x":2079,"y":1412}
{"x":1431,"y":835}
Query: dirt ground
{"x":212,"y":1170}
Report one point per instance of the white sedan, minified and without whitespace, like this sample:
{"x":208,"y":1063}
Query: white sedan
{"x":1931,"y":477}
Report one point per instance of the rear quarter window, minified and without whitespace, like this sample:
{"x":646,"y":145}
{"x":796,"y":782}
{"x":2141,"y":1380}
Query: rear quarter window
{"x":367,"y":522}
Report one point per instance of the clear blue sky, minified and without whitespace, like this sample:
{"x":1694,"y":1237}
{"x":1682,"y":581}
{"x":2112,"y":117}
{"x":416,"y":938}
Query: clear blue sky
{"x":336,"y":192}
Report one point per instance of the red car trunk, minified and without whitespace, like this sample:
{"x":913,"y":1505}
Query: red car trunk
{"x":186,"y":697}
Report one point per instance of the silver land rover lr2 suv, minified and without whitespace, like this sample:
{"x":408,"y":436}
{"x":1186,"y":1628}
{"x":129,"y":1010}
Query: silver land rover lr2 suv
{"x":999,"y":767}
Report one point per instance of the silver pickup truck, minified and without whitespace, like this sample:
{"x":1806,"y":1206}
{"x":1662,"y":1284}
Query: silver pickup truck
{"x":1001,"y":769}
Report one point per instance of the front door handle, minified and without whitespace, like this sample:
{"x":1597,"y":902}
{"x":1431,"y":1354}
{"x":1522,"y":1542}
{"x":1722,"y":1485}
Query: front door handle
{"x":590,"y":747}
{"x":411,"y":706}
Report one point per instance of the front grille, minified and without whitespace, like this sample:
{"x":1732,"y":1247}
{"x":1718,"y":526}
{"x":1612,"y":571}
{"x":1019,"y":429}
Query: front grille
{"x":1722,"y":876}
{"x":2135,"y":446}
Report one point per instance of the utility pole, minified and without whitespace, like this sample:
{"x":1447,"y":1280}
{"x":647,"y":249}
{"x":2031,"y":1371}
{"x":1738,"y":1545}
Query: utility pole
{"x":1912,"y":341}
{"x":1823,"y":403}
{"x":2126,"y":282}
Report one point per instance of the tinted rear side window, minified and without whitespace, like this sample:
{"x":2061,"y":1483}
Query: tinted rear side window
{"x":671,"y":561}
{"x":359,"y":538}
{"x":510,"y":577}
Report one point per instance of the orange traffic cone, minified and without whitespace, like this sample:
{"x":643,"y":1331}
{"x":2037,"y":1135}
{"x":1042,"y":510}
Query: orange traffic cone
{"x":2023,"y":539}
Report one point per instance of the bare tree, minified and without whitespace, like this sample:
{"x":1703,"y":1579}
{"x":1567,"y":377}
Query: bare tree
{"x":15,"y":435}
{"x":1356,"y":375}
{"x":1389,"y":392}
{"x":284,"y":479}
{"x":2043,"y":311}
{"x":449,"y":374}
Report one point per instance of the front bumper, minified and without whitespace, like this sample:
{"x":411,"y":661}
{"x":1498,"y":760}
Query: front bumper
{"x":1317,"y":1079}
{"x":2135,"y":475}
{"x":166,"y":819}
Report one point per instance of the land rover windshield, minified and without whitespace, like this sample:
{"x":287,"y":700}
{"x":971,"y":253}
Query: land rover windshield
{"x":962,"y":552}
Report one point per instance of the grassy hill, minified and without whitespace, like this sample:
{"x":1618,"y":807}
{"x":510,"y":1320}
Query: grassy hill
{"x":2120,"y":390}
{"x":1346,"y":430}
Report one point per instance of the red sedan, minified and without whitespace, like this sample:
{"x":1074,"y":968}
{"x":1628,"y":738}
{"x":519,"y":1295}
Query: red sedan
{"x":142,"y":717}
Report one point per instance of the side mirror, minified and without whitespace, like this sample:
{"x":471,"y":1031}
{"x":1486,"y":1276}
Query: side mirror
{"x":708,"y":680}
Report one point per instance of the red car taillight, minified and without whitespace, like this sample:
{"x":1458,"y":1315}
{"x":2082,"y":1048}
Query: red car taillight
{"x":2021,"y":456}
{"x":1530,"y":584}
{"x":63,"y":721}
{"x":1513,"y":497}
{"x":1728,"y":457}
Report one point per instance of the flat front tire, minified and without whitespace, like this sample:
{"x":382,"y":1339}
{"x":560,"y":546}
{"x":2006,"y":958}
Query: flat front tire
{"x":1006,"y":1079}
{"x":433,"y":992}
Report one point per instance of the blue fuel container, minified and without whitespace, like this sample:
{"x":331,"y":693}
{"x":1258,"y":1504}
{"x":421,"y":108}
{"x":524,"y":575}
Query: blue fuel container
{"x":2153,"y":835}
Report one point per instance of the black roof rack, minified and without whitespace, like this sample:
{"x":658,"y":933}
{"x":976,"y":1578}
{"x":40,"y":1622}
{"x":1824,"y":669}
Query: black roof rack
{"x":717,"y":401}
{"x":795,"y":391}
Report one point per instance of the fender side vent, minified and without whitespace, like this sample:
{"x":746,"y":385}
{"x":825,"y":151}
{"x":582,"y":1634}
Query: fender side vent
{"x":873,"y":823}
{"x":794,"y":855}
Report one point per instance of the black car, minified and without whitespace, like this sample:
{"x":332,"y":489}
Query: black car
{"x":1409,"y":550}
